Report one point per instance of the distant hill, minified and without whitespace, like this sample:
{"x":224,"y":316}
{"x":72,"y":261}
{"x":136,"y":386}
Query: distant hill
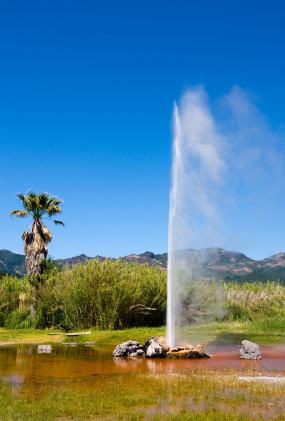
{"x":12,"y":263}
{"x":213,"y":263}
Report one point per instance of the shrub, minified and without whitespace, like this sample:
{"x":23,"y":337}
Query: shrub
{"x":108,"y":295}
{"x":113,"y":294}
{"x":18,"y":319}
{"x":252,"y":301}
{"x":10,"y":288}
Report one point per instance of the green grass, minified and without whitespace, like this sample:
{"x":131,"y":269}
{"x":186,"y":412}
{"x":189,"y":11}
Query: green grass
{"x":28,"y":336}
{"x":204,"y":396}
{"x":266,"y":331}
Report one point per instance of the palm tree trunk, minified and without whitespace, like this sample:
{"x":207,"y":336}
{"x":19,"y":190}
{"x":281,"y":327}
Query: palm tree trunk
{"x":33,"y":302}
{"x":36,"y":250}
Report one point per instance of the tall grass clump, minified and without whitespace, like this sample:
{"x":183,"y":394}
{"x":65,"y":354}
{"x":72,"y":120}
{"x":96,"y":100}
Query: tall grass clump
{"x":255,"y":300}
{"x":105,"y":294}
{"x":11,"y":316}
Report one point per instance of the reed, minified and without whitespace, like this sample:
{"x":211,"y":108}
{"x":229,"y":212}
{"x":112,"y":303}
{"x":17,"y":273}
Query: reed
{"x":113,"y":294}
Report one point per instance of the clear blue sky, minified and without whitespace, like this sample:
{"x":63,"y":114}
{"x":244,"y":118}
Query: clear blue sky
{"x":86,"y":96}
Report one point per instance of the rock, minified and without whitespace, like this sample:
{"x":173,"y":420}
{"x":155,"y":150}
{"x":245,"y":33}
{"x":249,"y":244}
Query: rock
{"x":188,"y":351}
{"x":44,"y":349}
{"x":138,"y":353}
{"x":178,"y":354}
{"x":196,"y":355}
{"x":162,"y":342}
{"x":250,"y":351}
{"x":153,"y":349}
{"x":199,"y":348}
{"x":188,"y":346}
{"x":177,"y":349}
{"x":128,"y":349}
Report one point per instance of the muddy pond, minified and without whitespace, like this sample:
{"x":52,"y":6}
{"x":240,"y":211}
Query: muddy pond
{"x":22,"y":367}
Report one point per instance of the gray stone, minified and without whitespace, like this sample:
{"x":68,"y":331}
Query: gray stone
{"x":128,"y":349}
{"x":44,"y":349}
{"x":153,"y":349}
{"x":250,"y":351}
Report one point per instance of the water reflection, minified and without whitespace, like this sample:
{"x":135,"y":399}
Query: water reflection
{"x":22,"y":367}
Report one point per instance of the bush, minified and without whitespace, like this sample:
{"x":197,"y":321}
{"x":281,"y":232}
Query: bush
{"x":114,"y":294}
{"x":18,"y":319}
{"x":254,"y":301}
{"x":107,"y":295}
{"x":10,"y":288}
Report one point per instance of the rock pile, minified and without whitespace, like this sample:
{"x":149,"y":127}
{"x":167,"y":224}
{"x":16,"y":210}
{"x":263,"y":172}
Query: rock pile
{"x":156,"y":347}
{"x":188,"y":351}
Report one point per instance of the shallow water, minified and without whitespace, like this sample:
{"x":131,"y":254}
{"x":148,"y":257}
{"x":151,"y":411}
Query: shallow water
{"x":22,"y":366}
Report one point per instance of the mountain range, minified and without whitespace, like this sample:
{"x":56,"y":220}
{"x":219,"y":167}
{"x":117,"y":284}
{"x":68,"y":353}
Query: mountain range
{"x":214,"y":263}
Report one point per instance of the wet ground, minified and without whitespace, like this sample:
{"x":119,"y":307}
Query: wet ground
{"x":22,"y":366}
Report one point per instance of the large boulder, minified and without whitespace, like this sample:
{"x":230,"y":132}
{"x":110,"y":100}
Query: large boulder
{"x":153,"y":349}
{"x":129,"y":349}
{"x":250,"y":351}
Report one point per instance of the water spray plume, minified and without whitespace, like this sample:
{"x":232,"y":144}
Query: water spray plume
{"x":220,"y":158}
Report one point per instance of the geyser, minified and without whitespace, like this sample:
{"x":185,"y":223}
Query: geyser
{"x":197,"y":170}
{"x":225,"y":157}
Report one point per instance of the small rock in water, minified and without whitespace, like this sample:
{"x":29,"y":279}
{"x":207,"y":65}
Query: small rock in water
{"x":128,"y":349}
{"x":250,"y":351}
{"x":153,"y":349}
{"x":44,"y":349}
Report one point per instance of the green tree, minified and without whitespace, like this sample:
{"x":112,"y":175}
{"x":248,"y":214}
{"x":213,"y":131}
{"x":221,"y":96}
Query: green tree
{"x":39,"y":207}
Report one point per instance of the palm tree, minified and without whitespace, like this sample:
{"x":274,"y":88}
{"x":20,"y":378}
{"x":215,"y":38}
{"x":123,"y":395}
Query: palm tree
{"x":38,"y":206}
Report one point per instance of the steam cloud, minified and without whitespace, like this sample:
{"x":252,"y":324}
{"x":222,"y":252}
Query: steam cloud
{"x":227,"y":173}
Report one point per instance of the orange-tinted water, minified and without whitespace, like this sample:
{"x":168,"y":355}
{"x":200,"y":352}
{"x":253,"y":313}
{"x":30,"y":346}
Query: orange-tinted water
{"x":22,"y":365}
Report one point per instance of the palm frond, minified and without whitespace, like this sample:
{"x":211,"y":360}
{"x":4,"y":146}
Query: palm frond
{"x":43,"y":199}
{"x":53,"y":210}
{"x":56,"y":222}
{"x":20,"y":213}
{"x":38,"y":205}
{"x":21,"y":196}
{"x":57,"y":201}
